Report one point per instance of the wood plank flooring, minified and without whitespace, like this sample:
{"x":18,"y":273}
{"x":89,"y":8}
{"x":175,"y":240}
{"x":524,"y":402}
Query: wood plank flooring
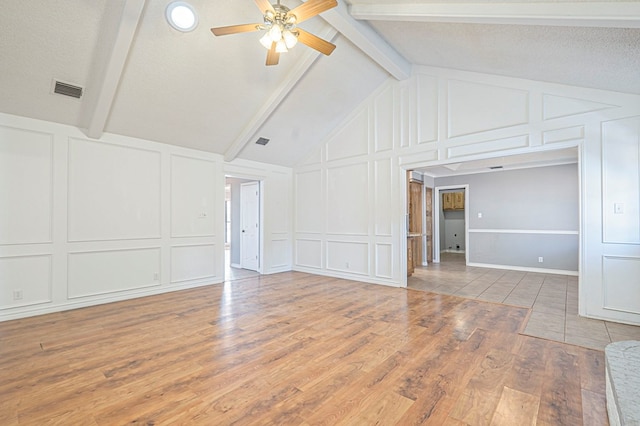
{"x":294,"y":349}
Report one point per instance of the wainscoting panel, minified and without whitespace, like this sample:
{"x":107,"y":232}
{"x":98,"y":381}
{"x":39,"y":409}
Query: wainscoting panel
{"x":309,"y":210}
{"x":384,"y":260}
{"x":620,"y":292}
{"x":383,"y":113}
{"x":356,"y":132}
{"x":383,"y":195}
{"x":427,"y":109}
{"x":505,"y":144}
{"x":309,"y":253}
{"x":192,"y":197}
{"x":128,"y":183}
{"x":348,"y":186}
{"x":279,"y":253}
{"x":621,"y":180}
{"x":25,"y":186}
{"x":25,"y":280}
{"x":475,"y":107}
{"x":103,"y":272}
{"x":350,"y":257}
{"x":575,"y":133}
{"x":192,"y":262}
{"x":560,"y":106}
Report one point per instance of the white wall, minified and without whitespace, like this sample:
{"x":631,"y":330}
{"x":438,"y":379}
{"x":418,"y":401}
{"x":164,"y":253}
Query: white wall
{"x":85,"y":222}
{"x":350,"y":194}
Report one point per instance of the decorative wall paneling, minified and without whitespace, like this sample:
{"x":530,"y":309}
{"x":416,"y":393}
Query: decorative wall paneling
{"x":95,"y":273}
{"x":113,"y":192}
{"x":26,"y":281}
{"x":86,"y":221}
{"x":26,"y":162}
{"x":444,"y":116}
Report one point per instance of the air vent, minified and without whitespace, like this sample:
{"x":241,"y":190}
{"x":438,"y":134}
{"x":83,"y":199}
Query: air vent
{"x":495,"y":167}
{"x":262,"y":141}
{"x":67,"y":90}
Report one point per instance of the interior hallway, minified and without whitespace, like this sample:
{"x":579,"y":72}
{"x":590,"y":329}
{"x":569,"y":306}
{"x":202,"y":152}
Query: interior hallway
{"x":233,"y":274}
{"x":553,"y":299}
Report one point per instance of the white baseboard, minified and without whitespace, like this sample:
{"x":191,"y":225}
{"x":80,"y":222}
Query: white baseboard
{"x":525,"y":269}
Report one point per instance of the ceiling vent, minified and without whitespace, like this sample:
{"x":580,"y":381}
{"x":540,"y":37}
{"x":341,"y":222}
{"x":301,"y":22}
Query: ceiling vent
{"x":495,"y":167}
{"x":67,"y":89}
{"x":262,"y":141}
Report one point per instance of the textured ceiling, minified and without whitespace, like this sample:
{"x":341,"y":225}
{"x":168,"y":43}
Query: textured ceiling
{"x":144,"y":79}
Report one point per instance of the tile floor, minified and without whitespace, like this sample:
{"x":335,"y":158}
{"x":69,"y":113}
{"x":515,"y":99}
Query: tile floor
{"x":553,"y":299}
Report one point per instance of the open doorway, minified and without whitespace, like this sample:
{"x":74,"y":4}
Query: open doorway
{"x":242,"y":228}
{"x":451,"y":224}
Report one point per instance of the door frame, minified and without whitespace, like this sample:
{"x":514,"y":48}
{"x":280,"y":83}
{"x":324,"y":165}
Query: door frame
{"x":261,"y":213}
{"x":436,"y":220}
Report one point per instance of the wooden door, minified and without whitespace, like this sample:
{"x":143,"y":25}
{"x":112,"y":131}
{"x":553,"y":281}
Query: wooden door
{"x":428,"y":211}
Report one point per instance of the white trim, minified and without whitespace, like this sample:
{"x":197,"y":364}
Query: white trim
{"x":571,"y":14}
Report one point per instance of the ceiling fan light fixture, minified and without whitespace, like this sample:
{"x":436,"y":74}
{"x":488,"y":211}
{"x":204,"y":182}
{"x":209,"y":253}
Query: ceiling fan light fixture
{"x":266,"y":40}
{"x":281,"y":46}
{"x":181,"y":16}
{"x":275,"y":33}
{"x":290,"y":38}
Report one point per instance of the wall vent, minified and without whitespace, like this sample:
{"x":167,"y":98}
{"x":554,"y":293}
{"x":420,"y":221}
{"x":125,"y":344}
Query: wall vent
{"x":262,"y":141}
{"x":67,"y":89}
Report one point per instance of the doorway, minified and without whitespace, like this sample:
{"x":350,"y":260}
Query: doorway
{"x":451,"y":221}
{"x":249,"y":225}
{"x":243,"y":228}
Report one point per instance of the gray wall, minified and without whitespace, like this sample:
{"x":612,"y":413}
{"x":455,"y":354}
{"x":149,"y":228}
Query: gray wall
{"x":540,"y":204}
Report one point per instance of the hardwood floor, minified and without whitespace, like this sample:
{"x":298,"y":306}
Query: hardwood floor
{"x":296,"y":349}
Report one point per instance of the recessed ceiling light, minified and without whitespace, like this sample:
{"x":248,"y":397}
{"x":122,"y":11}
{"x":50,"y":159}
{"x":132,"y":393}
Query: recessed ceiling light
{"x":181,"y":16}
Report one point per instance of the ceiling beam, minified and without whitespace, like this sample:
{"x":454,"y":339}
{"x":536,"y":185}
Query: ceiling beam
{"x":574,"y":14}
{"x":109,"y":66}
{"x":368,"y":41}
{"x":278,"y":95}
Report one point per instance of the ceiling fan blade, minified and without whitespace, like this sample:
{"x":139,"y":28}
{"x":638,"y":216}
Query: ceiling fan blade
{"x":315,"y":42}
{"x":272,"y":56}
{"x":311,"y":8}
{"x":235,"y":29}
{"x":264,"y":5}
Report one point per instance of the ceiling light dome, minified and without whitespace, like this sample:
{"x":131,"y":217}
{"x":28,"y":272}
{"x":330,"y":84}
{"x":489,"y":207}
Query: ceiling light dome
{"x":181,"y":16}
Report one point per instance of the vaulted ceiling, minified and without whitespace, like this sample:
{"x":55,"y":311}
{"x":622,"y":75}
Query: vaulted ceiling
{"x":144,"y":79}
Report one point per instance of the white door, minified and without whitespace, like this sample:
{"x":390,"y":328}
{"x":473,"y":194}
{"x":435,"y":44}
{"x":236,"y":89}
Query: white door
{"x":250,"y":225}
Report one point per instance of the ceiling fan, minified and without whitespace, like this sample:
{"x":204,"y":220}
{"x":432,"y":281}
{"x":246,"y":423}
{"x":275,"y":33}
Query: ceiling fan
{"x":280,"y":25}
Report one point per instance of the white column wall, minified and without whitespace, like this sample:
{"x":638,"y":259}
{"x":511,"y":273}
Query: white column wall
{"x":85,"y":222}
{"x":350,"y":194}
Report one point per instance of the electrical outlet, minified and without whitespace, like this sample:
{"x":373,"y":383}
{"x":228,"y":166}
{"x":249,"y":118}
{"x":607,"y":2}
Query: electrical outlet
{"x":540,"y":259}
{"x":156,"y":276}
{"x":17,"y":294}
{"x":346,"y":265}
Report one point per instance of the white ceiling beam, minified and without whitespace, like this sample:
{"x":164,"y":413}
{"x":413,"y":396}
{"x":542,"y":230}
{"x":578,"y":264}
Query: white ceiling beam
{"x":110,"y":66}
{"x":278,"y":95}
{"x":368,"y":41}
{"x":574,"y":14}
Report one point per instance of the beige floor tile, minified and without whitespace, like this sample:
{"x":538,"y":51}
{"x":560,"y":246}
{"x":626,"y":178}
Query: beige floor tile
{"x":598,"y":344}
{"x":553,"y":300}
